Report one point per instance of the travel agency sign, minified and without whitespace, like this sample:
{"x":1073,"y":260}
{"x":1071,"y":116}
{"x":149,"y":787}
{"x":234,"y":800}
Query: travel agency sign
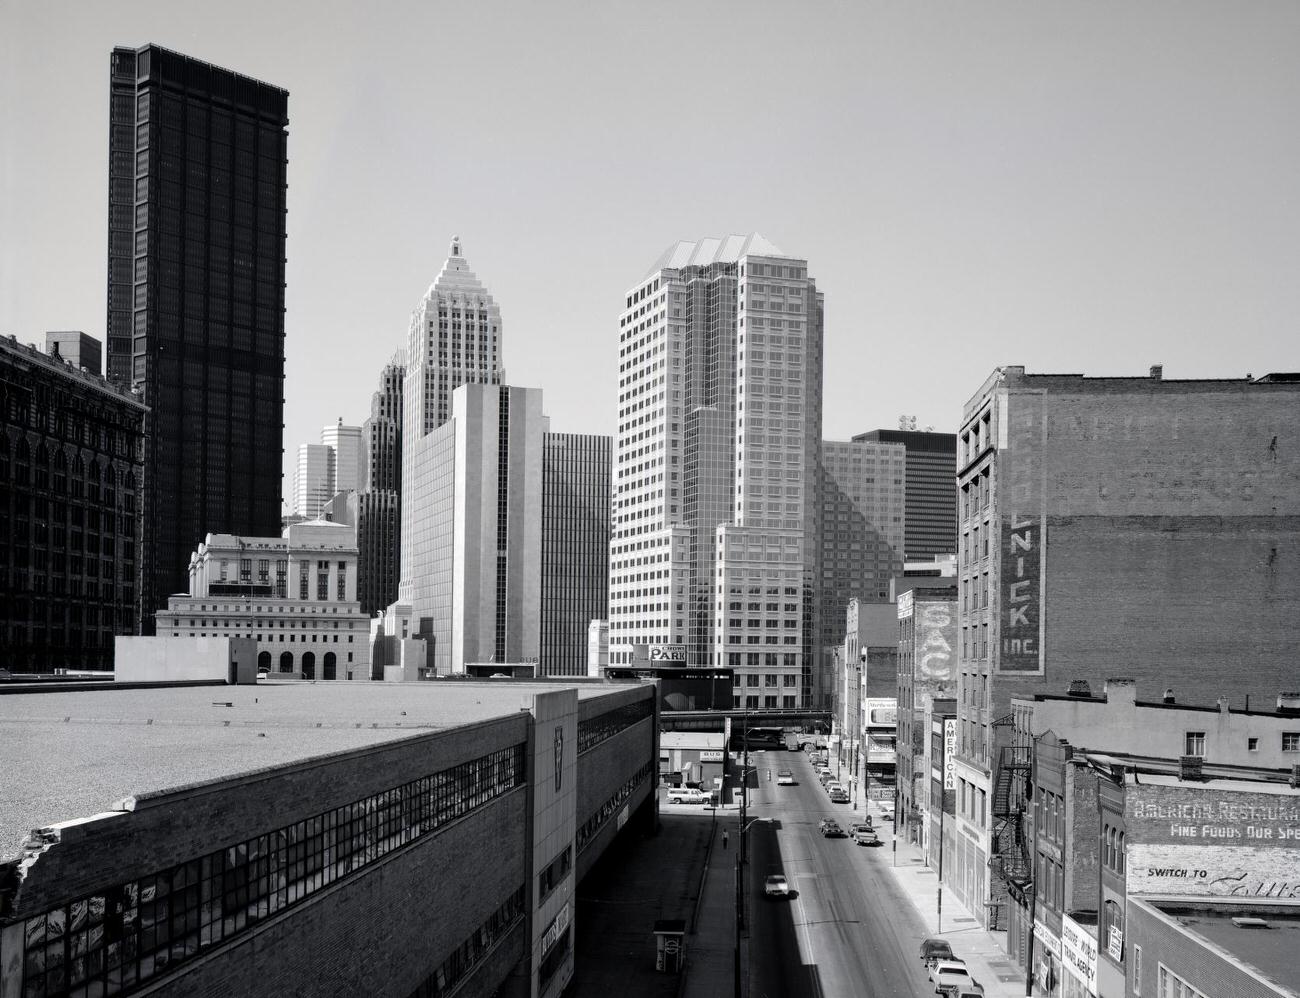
{"x":1188,"y":839}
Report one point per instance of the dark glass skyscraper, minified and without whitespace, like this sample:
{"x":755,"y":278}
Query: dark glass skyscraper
{"x":930,"y":518}
{"x":198,"y":155}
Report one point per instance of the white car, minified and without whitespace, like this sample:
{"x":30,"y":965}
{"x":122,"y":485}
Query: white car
{"x":785,"y":778}
{"x":686,"y":795}
{"x":776,"y":886}
{"x":951,"y":975}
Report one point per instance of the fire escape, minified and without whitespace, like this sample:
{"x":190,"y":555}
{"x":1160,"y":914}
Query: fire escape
{"x":1012,"y":855}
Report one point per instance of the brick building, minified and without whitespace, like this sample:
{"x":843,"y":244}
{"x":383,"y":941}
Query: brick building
{"x":412,"y":839}
{"x":1104,"y":520}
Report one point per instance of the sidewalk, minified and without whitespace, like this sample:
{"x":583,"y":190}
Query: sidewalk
{"x":711,"y":954}
{"x":984,"y":952}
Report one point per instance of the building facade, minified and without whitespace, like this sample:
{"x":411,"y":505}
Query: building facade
{"x":862,"y":528}
{"x":715,"y":469}
{"x":1179,"y":490}
{"x":83,"y":352}
{"x":196,"y":255}
{"x":71,"y":463}
{"x":382,"y":430}
{"x":347,"y":456}
{"x":472,"y":529}
{"x":575,"y":547}
{"x":295,"y":594}
{"x":927,"y":670}
{"x":931,"y":490}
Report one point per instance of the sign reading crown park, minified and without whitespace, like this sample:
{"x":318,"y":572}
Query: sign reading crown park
{"x":1187,"y":839}
{"x":1023,"y":533}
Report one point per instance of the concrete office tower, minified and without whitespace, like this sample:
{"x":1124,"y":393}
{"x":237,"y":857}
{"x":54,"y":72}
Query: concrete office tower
{"x":376,"y":518}
{"x":1116,"y":525}
{"x":715,"y":470}
{"x":196,"y":255}
{"x":472,"y":529}
{"x":860,"y":485}
{"x":930,"y":521}
{"x":71,"y":449}
{"x":81,"y":351}
{"x":313,"y":483}
{"x":382,"y":431}
{"x":575,"y":548}
{"x":347,"y":456}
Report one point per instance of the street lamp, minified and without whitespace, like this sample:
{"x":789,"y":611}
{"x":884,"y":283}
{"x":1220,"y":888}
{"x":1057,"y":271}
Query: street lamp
{"x":744,"y":849}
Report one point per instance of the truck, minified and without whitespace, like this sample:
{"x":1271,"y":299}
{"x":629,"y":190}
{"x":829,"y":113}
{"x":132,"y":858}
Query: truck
{"x":792,"y":741}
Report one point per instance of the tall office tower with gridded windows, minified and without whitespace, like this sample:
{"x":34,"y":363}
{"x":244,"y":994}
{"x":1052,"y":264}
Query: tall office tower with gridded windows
{"x":313,"y":482}
{"x":860,"y":487}
{"x":196,"y":297}
{"x":931,"y":490}
{"x":347,"y":456}
{"x":715,"y":471}
{"x":382,"y":431}
{"x":575,"y":547}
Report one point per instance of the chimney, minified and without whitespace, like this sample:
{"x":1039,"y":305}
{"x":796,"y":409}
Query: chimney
{"x":1169,"y":696}
{"x":1079,"y":688}
{"x":1121,"y":689}
{"x":1157,"y":372}
{"x":1288,"y":703}
{"x":1223,"y":705}
{"x":1189,"y":768}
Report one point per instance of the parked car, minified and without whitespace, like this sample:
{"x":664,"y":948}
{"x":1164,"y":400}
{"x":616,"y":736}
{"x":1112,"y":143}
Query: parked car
{"x":936,"y":949}
{"x":857,"y":825}
{"x":866,"y":837}
{"x":951,"y":975}
{"x":687,"y":795}
{"x":832,"y":830}
{"x":886,"y":812}
{"x":776,"y":886}
{"x":785,"y":778}
{"x":839,"y":796}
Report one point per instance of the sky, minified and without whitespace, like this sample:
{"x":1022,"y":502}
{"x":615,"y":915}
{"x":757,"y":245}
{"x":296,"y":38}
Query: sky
{"x":1083,"y":187}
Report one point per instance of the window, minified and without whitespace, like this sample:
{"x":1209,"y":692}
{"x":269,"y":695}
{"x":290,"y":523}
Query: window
{"x":1194,"y":744}
{"x":1291,"y":741}
{"x":1173,"y":986}
{"x":1252,"y":744}
{"x":1137,"y":970}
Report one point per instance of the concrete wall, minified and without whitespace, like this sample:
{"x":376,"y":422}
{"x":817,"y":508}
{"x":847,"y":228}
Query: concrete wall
{"x":181,"y":660}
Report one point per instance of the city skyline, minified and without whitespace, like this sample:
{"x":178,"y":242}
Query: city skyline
{"x":1055,"y":187}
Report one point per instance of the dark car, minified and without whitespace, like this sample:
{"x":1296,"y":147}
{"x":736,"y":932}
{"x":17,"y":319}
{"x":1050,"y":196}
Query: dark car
{"x":832,"y":830}
{"x":936,"y":949}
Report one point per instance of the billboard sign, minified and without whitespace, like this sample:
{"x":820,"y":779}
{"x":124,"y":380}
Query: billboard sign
{"x":1205,"y":842}
{"x":668,"y":653}
{"x":1022,"y":536}
{"x":1079,"y":952}
{"x":949,"y":753}
{"x":882,"y":712}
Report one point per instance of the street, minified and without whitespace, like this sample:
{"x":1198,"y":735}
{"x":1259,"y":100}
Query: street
{"x":847,"y":929}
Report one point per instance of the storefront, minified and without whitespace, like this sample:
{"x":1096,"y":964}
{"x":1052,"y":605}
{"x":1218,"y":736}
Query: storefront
{"x":1078,"y":959}
{"x":1047,"y":959}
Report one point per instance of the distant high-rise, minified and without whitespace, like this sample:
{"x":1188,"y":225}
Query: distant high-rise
{"x":930,"y":523}
{"x":714,"y":548}
{"x":575,"y":547}
{"x":382,"y":431}
{"x":196,"y":253}
{"x":347,"y":456}
{"x":313,"y":482}
{"x":81,"y":351}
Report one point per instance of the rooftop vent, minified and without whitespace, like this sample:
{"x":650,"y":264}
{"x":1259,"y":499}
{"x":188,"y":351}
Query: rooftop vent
{"x":1157,"y":372}
{"x":1079,"y":688}
{"x":1249,"y":922}
{"x":1288,"y":703}
{"x":1169,"y":696}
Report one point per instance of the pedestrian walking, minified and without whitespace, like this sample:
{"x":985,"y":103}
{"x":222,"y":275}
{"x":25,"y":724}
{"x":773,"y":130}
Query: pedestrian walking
{"x":724,"y":839}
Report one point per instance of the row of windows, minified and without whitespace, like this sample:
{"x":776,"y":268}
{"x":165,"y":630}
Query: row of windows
{"x":601,"y":816}
{"x":470,"y":953}
{"x":132,"y":932}
{"x":594,"y":731}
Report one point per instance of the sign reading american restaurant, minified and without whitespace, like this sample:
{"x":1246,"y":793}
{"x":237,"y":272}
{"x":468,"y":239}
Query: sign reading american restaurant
{"x":1198,"y":840}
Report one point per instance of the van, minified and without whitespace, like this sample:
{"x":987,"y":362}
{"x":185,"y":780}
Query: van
{"x":686,"y":795}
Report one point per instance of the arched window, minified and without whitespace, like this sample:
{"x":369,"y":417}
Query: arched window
{"x":264,"y":661}
{"x":329,"y":670}
{"x":309,"y":665}
{"x":1119,"y":854}
{"x":61,"y":472}
{"x":42,"y":468}
{"x":286,"y":661}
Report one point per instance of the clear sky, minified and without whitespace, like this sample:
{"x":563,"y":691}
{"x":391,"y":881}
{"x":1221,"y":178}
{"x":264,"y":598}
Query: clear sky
{"x":1089,"y":187}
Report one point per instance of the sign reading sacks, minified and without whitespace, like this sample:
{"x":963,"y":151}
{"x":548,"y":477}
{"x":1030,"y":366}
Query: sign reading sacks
{"x":1208,"y":842}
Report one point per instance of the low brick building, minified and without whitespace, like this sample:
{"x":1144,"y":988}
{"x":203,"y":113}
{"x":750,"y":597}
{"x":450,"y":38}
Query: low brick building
{"x":333,"y":839}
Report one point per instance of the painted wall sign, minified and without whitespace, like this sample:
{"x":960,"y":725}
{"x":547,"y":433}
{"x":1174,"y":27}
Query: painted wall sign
{"x":1206,"y":842}
{"x":936,"y":638}
{"x":556,"y":928}
{"x":950,"y":753}
{"x":1020,"y":615}
{"x":711,"y":755}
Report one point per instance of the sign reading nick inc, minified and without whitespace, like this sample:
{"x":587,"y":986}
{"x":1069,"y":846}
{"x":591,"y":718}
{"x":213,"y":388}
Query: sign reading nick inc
{"x":1204,"y":841}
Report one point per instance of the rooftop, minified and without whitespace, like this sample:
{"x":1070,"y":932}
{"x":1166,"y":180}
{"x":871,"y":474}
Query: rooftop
{"x":71,"y":754}
{"x":711,"y":249}
{"x":1270,"y":951}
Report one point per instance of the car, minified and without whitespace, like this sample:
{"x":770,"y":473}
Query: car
{"x":886,"y":813}
{"x":860,"y":824}
{"x":686,"y":795}
{"x":776,"y":886}
{"x":934,"y":948}
{"x":785,"y":778}
{"x":833,"y":785}
{"x":866,"y":837}
{"x":951,"y":975}
{"x":839,"y":796}
{"x":832,"y":830}
{"x":263,"y":673}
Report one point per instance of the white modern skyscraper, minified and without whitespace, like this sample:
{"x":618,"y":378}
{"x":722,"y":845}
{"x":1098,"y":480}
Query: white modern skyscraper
{"x":348,"y":455}
{"x":713,"y":554}
{"x":313,"y":482}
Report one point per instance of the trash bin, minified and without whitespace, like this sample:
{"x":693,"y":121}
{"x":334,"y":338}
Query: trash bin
{"x":670,"y":945}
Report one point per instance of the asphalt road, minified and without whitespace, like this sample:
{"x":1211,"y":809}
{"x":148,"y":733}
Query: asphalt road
{"x":847,"y":929}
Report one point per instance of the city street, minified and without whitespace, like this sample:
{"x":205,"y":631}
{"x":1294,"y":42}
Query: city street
{"x":847,"y":928}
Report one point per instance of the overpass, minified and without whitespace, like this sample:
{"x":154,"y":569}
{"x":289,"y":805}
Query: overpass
{"x":754,"y":717}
